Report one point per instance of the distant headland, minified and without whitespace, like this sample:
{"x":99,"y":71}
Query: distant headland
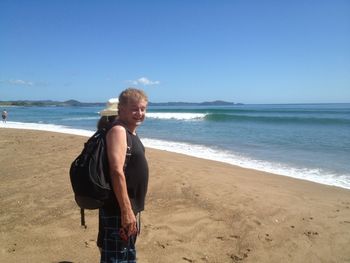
{"x":45,"y":103}
{"x":75,"y":103}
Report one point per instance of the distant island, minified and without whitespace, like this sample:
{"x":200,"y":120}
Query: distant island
{"x":75,"y":103}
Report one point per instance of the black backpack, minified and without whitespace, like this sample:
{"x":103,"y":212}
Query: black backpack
{"x":89,"y":172}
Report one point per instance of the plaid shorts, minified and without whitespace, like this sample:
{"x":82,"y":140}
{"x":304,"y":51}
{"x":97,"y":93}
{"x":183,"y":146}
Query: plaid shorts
{"x":113,"y":248}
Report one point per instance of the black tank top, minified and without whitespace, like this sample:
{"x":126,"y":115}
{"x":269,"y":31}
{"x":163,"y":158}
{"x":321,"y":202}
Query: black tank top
{"x":136,"y":173}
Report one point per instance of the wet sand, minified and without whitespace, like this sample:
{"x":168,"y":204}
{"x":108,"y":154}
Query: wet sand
{"x":197,"y":210}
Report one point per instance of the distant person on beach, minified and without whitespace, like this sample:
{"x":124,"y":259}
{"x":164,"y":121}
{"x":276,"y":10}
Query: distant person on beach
{"x":118,"y":227}
{"x":109,"y":114}
{"x":4,"y":115}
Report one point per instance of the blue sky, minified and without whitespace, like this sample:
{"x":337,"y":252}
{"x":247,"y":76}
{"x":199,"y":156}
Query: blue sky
{"x":182,"y":50}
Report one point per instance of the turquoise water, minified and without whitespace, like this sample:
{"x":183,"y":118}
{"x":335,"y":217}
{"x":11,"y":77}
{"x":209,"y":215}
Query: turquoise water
{"x":308,"y":141}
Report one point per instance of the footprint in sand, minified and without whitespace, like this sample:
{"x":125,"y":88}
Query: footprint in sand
{"x":346,"y":204}
{"x":310,"y":233}
{"x":237,"y":258}
{"x":12,"y":249}
{"x":161,"y":245}
{"x":230,"y":237}
{"x":90,"y":243}
{"x":267,"y":238}
{"x":310,"y":218}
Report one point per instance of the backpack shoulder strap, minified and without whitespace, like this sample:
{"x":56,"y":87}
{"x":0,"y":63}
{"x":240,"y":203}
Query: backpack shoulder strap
{"x":128,"y":139}
{"x":128,"y":148}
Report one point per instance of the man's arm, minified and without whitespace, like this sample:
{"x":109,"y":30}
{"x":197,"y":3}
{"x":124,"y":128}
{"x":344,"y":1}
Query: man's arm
{"x":116,"y":151}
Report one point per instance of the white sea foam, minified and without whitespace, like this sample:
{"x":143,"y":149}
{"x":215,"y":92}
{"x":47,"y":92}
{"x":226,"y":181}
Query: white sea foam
{"x":46,"y":127}
{"x":200,"y":151}
{"x":314,"y":175}
{"x":176,"y":115}
{"x":81,"y":118}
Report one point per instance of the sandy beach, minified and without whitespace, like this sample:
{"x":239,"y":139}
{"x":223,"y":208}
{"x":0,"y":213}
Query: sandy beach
{"x":197,"y":210}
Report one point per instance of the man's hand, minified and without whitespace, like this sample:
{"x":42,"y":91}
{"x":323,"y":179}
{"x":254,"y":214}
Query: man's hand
{"x":128,"y":221}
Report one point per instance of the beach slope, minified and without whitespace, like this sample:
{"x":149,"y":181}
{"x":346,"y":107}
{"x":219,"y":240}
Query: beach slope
{"x":197,"y":210}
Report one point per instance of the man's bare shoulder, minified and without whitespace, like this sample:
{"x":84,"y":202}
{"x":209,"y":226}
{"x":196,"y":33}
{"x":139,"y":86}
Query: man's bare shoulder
{"x":116,"y":131}
{"x":118,"y":128}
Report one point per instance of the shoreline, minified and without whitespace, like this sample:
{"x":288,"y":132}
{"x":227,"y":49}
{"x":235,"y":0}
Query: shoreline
{"x":199,"y":151}
{"x":196,"y":210}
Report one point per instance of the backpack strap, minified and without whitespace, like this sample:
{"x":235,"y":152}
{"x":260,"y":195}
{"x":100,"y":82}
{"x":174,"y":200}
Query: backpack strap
{"x":128,"y":148}
{"x":128,"y":139}
{"x":82,"y":218}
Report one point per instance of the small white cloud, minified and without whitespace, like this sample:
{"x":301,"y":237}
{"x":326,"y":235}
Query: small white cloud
{"x":20,"y":82}
{"x":144,"y":81}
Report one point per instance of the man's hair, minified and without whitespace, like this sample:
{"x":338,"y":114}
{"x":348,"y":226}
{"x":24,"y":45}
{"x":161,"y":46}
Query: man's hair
{"x":131,"y":94}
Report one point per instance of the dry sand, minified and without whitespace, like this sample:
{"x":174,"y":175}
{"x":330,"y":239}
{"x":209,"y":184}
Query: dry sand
{"x":197,"y":210}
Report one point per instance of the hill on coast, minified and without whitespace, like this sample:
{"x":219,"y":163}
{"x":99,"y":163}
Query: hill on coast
{"x":70,"y":103}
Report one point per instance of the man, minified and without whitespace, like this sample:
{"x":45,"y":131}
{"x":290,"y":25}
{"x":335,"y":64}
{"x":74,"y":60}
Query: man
{"x":118,"y":225}
{"x":4,"y":115}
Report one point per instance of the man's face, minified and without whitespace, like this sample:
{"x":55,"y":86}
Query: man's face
{"x":135,"y":112}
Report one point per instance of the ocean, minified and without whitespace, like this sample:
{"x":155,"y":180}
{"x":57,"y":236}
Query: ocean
{"x":305,"y":141}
